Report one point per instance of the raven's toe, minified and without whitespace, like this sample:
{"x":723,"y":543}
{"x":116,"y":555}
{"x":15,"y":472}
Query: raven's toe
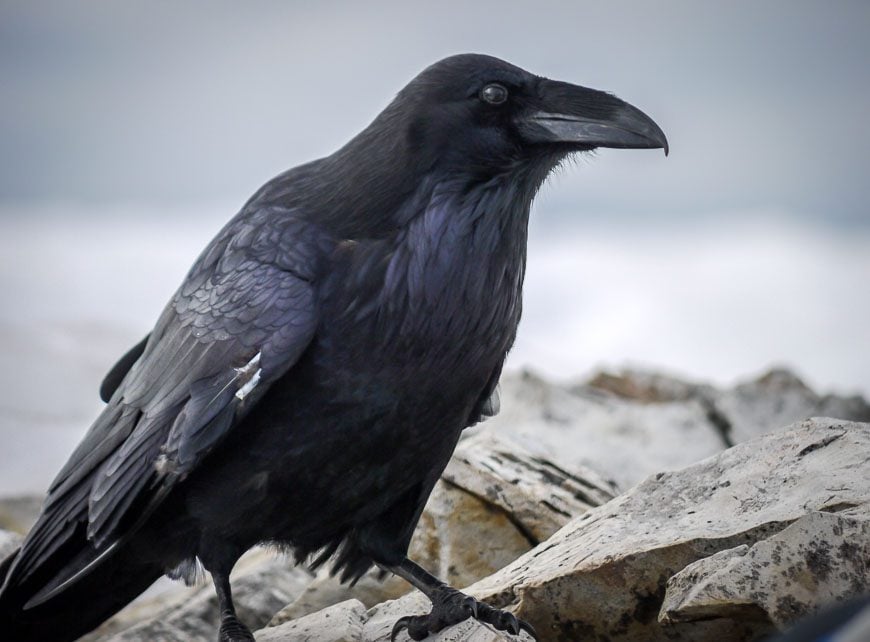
{"x":450,"y":607}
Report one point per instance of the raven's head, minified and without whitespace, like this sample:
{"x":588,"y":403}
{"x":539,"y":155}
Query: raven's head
{"x":478,"y":109}
{"x":461,"y":122}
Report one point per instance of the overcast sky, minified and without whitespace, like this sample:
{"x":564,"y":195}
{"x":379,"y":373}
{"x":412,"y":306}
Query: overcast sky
{"x":167,"y":103}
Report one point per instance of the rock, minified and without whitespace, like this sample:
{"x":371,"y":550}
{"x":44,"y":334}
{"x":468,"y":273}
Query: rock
{"x":350,"y":622}
{"x":624,"y":440}
{"x":341,"y":622}
{"x":508,"y":488}
{"x":749,"y":409}
{"x":605,"y":574}
{"x":645,"y":387}
{"x":777,"y":399}
{"x":381,"y":619}
{"x":626,"y":425}
{"x":493,"y":503}
{"x":262,"y":584}
{"x":325,"y":590}
{"x":539,"y":496}
{"x":817,"y":560}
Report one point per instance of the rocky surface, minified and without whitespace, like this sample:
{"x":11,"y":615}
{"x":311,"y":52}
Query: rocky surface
{"x":711,"y":543}
{"x":606,"y":574}
{"x":342,"y":622}
{"x":731,"y":548}
{"x":630,"y":425}
{"x":819,"y":559}
{"x":751,"y":408}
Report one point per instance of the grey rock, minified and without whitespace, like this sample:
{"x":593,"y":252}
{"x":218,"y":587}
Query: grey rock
{"x":819,"y":559}
{"x":380,"y":620}
{"x":645,"y":386}
{"x":605,"y":574}
{"x":751,"y":408}
{"x":625,"y":425}
{"x":342,"y":622}
{"x":777,"y":399}
{"x":508,"y":488}
{"x":579,"y":428}
{"x":350,"y":622}
{"x":539,"y":496}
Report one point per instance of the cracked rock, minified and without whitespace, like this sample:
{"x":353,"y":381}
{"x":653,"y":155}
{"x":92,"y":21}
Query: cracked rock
{"x":624,"y":440}
{"x":605,"y":575}
{"x":820,"y":559}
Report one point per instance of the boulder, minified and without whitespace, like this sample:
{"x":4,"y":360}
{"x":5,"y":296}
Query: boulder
{"x":662,"y":561}
{"x":776,"y":399}
{"x":817,"y":560}
{"x":749,"y":409}
{"x":349,"y":621}
{"x":342,"y":622}
{"x":605,"y":575}
{"x":583,"y":427}
{"x":379,"y":622}
{"x":633,"y":424}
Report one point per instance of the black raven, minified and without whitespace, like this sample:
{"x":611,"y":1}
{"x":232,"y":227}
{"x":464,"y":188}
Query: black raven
{"x":309,"y":380}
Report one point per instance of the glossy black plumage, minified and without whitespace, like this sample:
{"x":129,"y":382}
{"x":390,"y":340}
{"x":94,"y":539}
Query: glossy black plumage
{"x":310,"y":378}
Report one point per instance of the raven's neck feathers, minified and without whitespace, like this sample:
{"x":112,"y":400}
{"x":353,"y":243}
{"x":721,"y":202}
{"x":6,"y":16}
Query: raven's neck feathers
{"x":454,"y":274}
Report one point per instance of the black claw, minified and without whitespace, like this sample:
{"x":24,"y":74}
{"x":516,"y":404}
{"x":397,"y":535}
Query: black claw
{"x":417,"y":626}
{"x":528,"y":628}
{"x":450,"y":607}
{"x":473,"y":606}
{"x":512,"y":626}
{"x":401,"y":623}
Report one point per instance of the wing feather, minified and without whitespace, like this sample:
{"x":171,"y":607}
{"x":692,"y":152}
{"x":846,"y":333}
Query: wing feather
{"x":250,"y":298}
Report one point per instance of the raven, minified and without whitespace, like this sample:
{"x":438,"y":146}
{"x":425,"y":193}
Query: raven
{"x":310,"y":378}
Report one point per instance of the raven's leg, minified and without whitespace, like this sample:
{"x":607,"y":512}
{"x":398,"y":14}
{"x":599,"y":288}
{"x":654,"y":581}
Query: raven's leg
{"x":449,"y":606}
{"x":232,"y":629}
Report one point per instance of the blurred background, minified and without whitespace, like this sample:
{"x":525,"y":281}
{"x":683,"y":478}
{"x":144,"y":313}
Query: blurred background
{"x":130,"y":132}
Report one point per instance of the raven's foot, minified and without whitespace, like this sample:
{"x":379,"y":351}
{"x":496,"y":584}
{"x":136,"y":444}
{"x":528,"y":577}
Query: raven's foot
{"x":232,"y":630}
{"x":450,"y":607}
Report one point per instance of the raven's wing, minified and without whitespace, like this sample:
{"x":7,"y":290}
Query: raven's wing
{"x":243,"y":316}
{"x":116,"y":375}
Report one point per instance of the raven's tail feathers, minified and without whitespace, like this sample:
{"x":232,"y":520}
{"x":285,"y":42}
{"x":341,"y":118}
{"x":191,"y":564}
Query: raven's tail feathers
{"x":69,"y":614}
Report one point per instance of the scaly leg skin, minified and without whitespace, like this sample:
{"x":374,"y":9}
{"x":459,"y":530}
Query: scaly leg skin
{"x":232,"y":629}
{"x":449,"y":607}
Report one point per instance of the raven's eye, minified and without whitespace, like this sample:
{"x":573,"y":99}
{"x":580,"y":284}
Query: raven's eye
{"x":494,"y":94}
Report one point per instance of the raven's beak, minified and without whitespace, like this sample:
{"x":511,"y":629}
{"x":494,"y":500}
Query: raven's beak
{"x":588,"y":118}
